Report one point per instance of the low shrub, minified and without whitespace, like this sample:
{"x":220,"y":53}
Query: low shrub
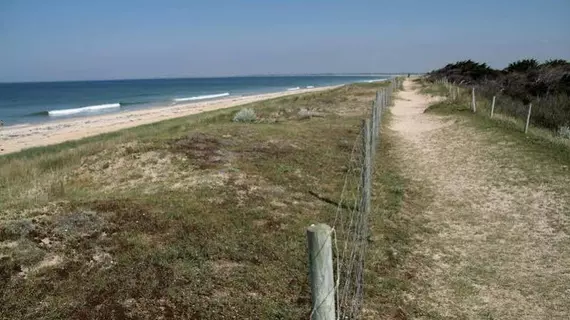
{"x":245,"y":115}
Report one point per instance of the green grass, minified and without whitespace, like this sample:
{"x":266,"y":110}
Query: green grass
{"x":196,"y":217}
{"x":394,"y":223}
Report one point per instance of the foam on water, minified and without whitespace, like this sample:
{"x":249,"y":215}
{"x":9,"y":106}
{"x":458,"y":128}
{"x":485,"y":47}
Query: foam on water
{"x":207,"y":96}
{"x":95,"y":108}
{"x":376,"y":80}
{"x":293,"y":89}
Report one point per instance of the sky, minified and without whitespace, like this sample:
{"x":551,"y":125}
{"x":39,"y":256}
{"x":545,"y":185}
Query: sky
{"x":110,"y":39}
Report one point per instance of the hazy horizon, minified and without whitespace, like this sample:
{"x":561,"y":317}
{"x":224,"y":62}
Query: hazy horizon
{"x":366,"y":74}
{"x":73,"y":41}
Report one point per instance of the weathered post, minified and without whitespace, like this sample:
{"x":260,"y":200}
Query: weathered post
{"x":366,"y":168}
{"x":493,"y":106}
{"x":373,"y":136}
{"x":380,"y":112}
{"x":528,"y":118}
{"x":473,"y":105}
{"x":321,"y":272}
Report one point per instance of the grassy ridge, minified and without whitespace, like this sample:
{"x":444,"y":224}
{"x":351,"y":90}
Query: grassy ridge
{"x":502,"y":123}
{"x":196,"y":217}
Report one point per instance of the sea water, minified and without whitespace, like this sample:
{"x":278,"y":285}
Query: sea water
{"x":46,"y":101}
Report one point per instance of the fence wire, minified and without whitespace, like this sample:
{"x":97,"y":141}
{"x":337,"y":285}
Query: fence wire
{"x":351,"y":223}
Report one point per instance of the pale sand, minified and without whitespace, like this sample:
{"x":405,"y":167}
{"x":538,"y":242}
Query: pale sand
{"x":19,"y":137}
{"x":496,"y":244}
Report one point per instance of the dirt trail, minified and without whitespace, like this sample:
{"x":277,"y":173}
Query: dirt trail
{"x":498,"y":245}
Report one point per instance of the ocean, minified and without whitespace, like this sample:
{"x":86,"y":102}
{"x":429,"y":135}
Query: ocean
{"x":46,"y":101}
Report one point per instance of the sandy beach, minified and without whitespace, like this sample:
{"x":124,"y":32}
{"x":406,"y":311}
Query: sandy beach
{"x":19,"y":137}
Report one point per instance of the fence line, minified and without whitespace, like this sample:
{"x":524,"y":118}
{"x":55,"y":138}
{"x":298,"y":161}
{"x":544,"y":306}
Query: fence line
{"x":453,"y":94}
{"x":350,"y":227}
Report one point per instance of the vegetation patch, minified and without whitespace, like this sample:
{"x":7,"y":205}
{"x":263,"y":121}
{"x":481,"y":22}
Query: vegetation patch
{"x":204,"y":151}
{"x":197,"y":217}
{"x":546,"y":85}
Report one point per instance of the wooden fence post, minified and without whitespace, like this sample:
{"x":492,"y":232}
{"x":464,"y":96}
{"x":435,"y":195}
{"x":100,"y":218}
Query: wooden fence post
{"x":473,"y":105}
{"x":366,"y":168}
{"x":321,"y":272}
{"x":493,"y":106}
{"x":528,"y":118}
{"x":377,"y":97}
{"x":373,"y":136}
{"x":380,"y":112}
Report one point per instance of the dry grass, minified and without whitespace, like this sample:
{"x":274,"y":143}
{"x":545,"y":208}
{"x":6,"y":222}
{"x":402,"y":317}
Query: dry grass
{"x":192,"y":218}
{"x":498,"y":216}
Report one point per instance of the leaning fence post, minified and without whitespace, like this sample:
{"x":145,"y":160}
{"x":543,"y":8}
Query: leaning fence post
{"x":493,"y":106}
{"x":473,"y":105}
{"x":321,"y":272}
{"x":528,"y":118}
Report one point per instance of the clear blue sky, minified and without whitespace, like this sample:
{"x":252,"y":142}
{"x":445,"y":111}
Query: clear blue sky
{"x":109,"y":39}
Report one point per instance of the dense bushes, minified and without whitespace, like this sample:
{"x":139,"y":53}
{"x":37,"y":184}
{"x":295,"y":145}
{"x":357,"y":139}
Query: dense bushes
{"x":546,"y":85}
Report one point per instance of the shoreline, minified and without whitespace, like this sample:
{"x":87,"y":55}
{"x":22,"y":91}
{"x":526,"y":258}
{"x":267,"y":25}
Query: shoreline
{"x":18,"y":137}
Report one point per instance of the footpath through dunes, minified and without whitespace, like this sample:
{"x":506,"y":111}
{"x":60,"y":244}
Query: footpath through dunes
{"x":497,"y":244}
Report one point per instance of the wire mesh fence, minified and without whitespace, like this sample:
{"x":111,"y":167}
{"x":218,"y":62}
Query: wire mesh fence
{"x":538,"y":113}
{"x":339,"y":294}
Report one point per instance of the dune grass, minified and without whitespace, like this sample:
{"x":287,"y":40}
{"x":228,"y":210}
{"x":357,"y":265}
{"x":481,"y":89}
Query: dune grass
{"x":503,"y":123}
{"x":196,"y":217}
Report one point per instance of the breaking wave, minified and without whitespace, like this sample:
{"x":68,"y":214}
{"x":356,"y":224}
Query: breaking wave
{"x":95,"y":108}
{"x":207,"y":96}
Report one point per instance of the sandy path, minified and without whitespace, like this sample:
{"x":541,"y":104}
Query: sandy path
{"x":499,"y":246}
{"x":16,"y":138}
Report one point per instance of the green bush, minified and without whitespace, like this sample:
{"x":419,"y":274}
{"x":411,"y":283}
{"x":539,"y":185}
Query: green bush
{"x":545,"y":85}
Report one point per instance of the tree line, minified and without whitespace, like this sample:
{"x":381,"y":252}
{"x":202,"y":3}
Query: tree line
{"x":546,"y":85}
